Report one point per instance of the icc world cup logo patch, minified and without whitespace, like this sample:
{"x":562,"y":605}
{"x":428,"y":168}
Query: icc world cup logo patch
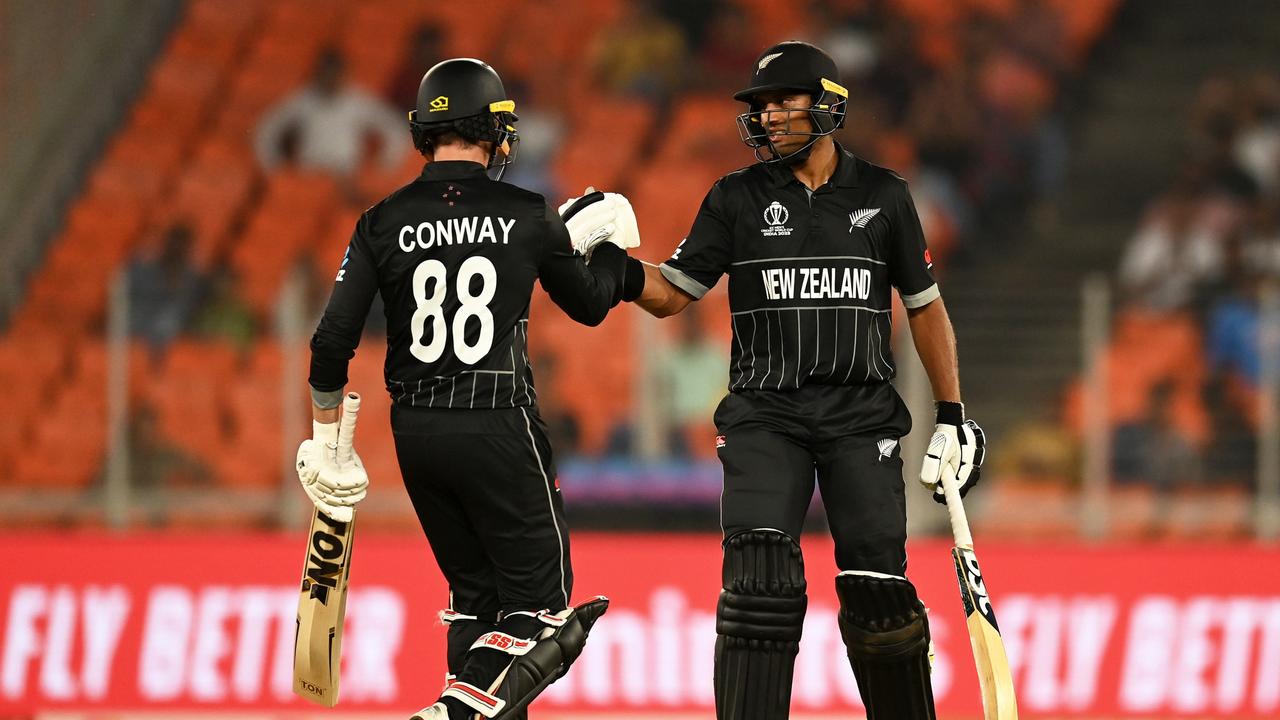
{"x":776,"y":216}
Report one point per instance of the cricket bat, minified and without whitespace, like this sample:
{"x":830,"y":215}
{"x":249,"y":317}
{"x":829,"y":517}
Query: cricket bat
{"x":994,"y":677}
{"x":322,"y":600}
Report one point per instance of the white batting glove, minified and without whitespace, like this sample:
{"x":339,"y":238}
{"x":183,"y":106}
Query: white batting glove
{"x":957,"y":446}
{"x":329,"y":469}
{"x":598,"y":217}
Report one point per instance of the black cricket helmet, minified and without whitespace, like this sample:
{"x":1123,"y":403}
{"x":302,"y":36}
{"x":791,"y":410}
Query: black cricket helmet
{"x":792,"y":66}
{"x":465,"y":96}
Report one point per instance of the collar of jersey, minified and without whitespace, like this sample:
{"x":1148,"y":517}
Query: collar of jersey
{"x":846,"y":174}
{"x":451,"y":169}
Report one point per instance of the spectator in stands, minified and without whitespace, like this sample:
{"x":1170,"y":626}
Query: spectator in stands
{"x":1151,"y":451}
{"x":541,"y":132}
{"x":1257,"y":145}
{"x":946,"y":122}
{"x":1233,"y":323}
{"x":642,"y":54}
{"x":1023,"y":151}
{"x":226,"y":316}
{"x":899,"y":71}
{"x":328,"y":124}
{"x":1262,"y":243}
{"x":426,"y":49}
{"x":692,"y":377}
{"x":1171,"y":255}
{"x":1231,"y":456}
{"x":1216,"y":167}
{"x":165,"y":290}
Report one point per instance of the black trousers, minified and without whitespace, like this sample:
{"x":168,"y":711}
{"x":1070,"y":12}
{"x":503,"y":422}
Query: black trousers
{"x":775,"y":444}
{"x":484,"y":487}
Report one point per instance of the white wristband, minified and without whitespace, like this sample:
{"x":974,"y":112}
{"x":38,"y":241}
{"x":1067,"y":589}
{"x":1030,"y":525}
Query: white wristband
{"x":326,"y":433}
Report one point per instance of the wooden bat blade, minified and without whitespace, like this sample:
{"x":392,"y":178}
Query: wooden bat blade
{"x":322,"y":604}
{"x":994,"y":676}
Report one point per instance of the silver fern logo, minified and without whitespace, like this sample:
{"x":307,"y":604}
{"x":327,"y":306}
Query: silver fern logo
{"x":886,"y":447}
{"x":860,"y":218}
{"x":764,"y":61}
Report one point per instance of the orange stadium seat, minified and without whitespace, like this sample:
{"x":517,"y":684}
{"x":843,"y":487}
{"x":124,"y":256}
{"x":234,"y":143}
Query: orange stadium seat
{"x":774,"y":22}
{"x":605,"y":143}
{"x":1085,"y":21}
{"x":304,"y":21}
{"x":33,"y":366}
{"x":1014,"y":508}
{"x":67,"y":444}
{"x":1133,"y":512}
{"x":666,"y":199}
{"x":376,"y":182}
{"x":210,"y":196}
{"x":1147,"y":349}
{"x":221,"y":18}
{"x":708,"y":134}
{"x":218,"y":46}
{"x":1208,"y":513}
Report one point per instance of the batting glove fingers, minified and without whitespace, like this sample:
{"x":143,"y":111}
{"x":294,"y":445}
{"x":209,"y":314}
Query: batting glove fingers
{"x":598,"y":217}
{"x":973,"y":444}
{"x":330,"y":485}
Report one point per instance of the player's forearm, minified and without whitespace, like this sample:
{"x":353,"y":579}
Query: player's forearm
{"x":585,"y":291}
{"x":659,"y":297}
{"x":935,"y":342}
{"x":326,"y":416}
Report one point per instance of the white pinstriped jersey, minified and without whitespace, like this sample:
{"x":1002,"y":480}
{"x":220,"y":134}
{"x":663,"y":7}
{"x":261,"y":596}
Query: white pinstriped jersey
{"x":810,"y":274}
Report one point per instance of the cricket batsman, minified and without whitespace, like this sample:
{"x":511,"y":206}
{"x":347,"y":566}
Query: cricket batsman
{"x":814,"y":239}
{"x":455,"y":255}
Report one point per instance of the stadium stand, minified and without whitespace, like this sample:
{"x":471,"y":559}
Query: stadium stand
{"x":185,"y":155}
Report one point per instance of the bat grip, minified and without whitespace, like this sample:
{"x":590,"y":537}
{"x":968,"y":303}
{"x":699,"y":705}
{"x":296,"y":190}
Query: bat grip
{"x":347,"y":426}
{"x":955,"y":509}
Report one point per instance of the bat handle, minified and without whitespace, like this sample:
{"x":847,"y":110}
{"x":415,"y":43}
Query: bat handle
{"x":347,"y":427}
{"x":955,"y":509}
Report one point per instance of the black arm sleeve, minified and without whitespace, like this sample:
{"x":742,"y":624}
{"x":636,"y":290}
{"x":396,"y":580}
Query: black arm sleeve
{"x":584,"y":291}
{"x":338,"y":334}
{"x":910,"y":267}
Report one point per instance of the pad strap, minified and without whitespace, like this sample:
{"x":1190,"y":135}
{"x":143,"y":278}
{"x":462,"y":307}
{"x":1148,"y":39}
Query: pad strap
{"x":474,"y":698}
{"x":545,"y":617}
{"x":449,"y":616}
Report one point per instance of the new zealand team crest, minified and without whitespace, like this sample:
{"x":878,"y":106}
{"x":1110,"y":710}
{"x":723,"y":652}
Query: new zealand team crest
{"x":776,"y":216}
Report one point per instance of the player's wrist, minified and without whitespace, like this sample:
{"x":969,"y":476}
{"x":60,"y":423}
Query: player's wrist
{"x":632,"y":280}
{"x":950,"y":413}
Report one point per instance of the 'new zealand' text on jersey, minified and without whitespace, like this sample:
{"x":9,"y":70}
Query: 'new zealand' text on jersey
{"x":455,"y":255}
{"x":810,"y":275}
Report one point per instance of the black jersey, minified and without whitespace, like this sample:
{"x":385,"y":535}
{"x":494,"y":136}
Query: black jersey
{"x":455,"y":255}
{"x":810,"y":274}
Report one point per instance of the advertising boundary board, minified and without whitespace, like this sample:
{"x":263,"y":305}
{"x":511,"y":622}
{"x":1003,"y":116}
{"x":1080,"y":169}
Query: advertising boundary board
{"x":168,"y":625}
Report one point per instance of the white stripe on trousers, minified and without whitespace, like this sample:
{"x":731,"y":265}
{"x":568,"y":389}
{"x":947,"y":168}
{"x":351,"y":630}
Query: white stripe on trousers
{"x":550,"y":503}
